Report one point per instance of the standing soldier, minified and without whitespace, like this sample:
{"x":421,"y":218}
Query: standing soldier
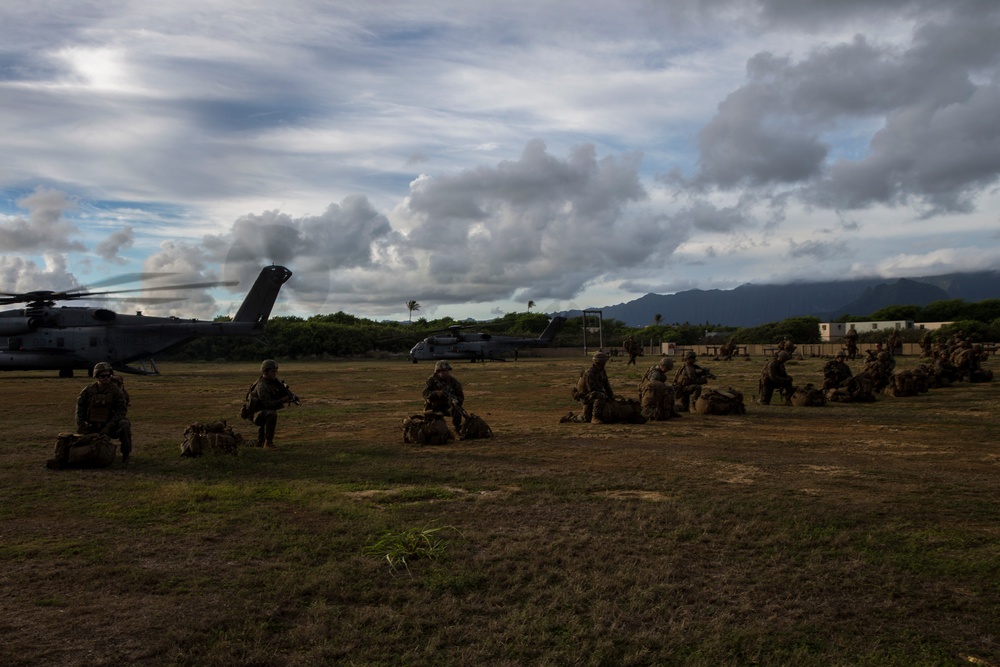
{"x":775,"y":376}
{"x":851,"y":339}
{"x":656,"y":395}
{"x":443,"y":381}
{"x":892,"y":343}
{"x":102,"y":408}
{"x":688,"y":380}
{"x":593,"y":389}
{"x":632,"y":349}
{"x":926,"y":346}
{"x":266,"y":396}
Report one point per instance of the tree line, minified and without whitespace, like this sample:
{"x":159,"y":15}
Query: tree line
{"x":342,"y":335}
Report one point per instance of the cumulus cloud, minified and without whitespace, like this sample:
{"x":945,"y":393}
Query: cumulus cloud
{"x":540,"y":223}
{"x":110,"y":247}
{"x":46,"y":227}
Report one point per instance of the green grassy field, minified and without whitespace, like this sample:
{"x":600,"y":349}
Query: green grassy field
{"x":860,"y":534}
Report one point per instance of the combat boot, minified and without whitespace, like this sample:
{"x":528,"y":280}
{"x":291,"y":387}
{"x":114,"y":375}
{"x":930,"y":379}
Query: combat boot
{"x":269,"y":445}
{"x":594,"y":415}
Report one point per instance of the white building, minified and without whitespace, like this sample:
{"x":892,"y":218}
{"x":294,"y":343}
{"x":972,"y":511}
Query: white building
{"x":834,"y":331}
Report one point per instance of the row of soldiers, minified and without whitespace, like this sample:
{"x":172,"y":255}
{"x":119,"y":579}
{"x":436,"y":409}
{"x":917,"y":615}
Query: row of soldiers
{"x":879,"y":373}
{"x":662,"y":395}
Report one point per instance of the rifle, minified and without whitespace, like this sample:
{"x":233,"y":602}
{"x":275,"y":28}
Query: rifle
{"x":453,"y":401}
{"x":292,"y":398}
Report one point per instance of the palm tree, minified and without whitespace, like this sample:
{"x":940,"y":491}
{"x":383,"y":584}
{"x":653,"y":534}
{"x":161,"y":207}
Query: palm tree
{"x":657,"y":318}
{"x":412,"y":306}
{"x":531,"y":304}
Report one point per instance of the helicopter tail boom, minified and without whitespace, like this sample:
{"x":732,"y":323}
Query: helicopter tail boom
{"x":555,"y":324}
{"x":256,"y":307}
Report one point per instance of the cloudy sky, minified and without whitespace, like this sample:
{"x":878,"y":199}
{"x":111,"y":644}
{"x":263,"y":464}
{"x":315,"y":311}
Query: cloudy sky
{"x":475,"y":156}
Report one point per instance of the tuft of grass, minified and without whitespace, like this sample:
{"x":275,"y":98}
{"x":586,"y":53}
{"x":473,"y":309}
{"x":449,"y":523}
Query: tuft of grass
{"x":400,"y":547}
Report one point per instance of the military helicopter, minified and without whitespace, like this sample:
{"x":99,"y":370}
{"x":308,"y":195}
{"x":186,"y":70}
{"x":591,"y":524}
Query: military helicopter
{"x":455,"y":344}
{"x":41,"y":336}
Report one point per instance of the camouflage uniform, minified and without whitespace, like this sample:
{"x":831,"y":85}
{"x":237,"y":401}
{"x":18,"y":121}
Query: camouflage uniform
{"x":688,"y":380}
{"x":944,"y":372}
{"x":926,"y":348}
{"x":836,"y":372}
{"x":593,"y":388}
{"x":656,"y":394}
{"x":632,"y":349}
{"x":774,"y":376}
{"x":268,"y":395}
{"x":102,"y":408}
{"x":892,"y":342}
{"x":880,"y":367}
{"x":443,"y":381}
{"x":851,"y":339}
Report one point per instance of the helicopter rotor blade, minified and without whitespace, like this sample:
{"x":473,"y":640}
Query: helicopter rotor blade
{"x":41,"y":296}
{"x":129,"y":278}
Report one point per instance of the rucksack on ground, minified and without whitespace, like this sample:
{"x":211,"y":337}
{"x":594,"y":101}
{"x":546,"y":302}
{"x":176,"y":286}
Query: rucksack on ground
{"x":808,"y":396}
{"x":429,"y":428}
{"x":73,"y":450}
{"x":214,"y":437}
{"x":474,"y":428}
{"x":720,"y":401}
{"x":620,"y":411}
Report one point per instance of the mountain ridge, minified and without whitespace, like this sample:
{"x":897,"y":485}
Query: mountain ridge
{"x":752,"y":305}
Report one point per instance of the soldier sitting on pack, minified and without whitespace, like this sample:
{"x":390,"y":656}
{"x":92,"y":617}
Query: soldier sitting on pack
{"x":774,"y":376}
{"x":880,"y":368}
{"x":656,"y":394}
{"x":592,"y":389}
{"x":836,"y":371}
{"x":442,"y":380}
{"x":102,"y":408}
{"x":968,"y":362}
{"x":688,"y":381}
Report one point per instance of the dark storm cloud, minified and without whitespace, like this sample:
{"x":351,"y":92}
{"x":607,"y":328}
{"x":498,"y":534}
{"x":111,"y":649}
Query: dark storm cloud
{"x":707,"y":217}
{"x":819,"y":250}
{"x":940,"y":140}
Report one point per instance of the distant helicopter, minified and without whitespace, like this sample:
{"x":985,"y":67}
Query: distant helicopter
{"x":456,"y":344}
{"x":41,"y":336}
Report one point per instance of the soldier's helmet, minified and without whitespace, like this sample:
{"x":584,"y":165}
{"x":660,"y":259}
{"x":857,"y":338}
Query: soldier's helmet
{"x":268,"y":364}
{"x":783,"y":356}
{"x":691,"y":354}
{"x":841,"y":355}
{"x":103,"y":367}
{"x":666,"y":362}
{"x":600,"y":356}
{"x":442,"y":366}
